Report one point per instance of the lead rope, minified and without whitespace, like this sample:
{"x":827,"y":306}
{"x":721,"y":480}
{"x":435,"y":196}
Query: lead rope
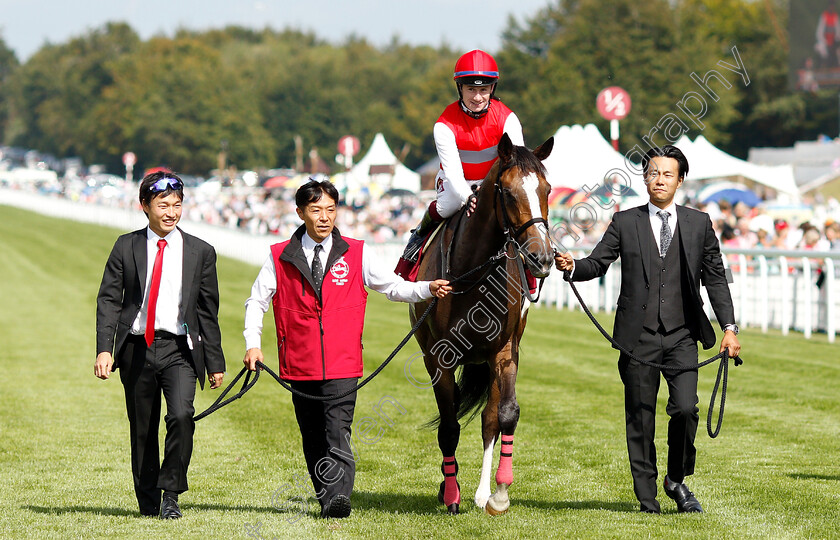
{"x":221,"y":402}
{"x":723,"y":370}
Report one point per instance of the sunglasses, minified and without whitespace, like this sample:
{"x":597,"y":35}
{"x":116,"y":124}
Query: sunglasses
{"x":164,"y":183}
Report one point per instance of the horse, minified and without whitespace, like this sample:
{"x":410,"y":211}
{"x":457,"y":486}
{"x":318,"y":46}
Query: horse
{"x":479,"y":326}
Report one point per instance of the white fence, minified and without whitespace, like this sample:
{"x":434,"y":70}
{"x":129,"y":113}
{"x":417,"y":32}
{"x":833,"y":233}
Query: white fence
{"x":788,"y":290}
{"x":771,"y":288}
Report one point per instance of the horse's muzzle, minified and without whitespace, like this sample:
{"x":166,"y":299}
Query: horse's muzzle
{"x":539,"y":264}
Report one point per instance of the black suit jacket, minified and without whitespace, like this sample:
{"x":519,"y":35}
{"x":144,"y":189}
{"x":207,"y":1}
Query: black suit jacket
{"x":123,"y":288}
{"x":629,"y":236}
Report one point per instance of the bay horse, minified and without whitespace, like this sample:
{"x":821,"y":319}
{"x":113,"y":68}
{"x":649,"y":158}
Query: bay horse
{"x":479,"y":326}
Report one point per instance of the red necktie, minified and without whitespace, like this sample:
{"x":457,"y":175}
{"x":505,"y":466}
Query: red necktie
{"x":153,"y":293}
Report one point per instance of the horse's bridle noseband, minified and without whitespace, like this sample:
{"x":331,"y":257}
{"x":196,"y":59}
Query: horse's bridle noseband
{"x":507,"y":224}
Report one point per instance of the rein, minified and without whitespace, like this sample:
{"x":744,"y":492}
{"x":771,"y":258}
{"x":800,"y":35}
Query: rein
{"x":510,"y":240}
{"x":723,"y":369}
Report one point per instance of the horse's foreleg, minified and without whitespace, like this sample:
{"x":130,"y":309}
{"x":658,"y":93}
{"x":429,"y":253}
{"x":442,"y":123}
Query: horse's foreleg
{"x":489,"y":433}
{"x":449,"y":432}
{"x":508,"y":418}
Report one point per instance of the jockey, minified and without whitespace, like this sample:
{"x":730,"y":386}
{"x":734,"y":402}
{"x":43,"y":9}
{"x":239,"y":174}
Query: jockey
{"x":466,"y":136}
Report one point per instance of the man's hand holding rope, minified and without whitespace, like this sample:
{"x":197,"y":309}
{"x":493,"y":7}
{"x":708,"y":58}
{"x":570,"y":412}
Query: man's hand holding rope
{"x":730,"y":341}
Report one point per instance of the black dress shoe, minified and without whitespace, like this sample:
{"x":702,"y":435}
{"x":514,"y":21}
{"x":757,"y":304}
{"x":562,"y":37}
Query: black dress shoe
{"x":148,"y":513}
{"x":169,"y":509}
{"x":338,"y":507}
{"x":686,"y":502}
{"x":649,"y":511}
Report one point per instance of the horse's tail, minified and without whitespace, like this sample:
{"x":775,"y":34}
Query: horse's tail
{"x":474,"y":388}
{"x":472,"y":392}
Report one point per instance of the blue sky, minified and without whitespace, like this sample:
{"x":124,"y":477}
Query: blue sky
{"x":25,"y":25}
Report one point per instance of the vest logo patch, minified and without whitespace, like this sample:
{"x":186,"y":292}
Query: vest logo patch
{"x":339,"y":271}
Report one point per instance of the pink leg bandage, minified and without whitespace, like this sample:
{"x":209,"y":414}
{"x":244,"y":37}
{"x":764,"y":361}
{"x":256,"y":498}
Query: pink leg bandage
{"x":504,"y":474}
{"x":451,"y":491}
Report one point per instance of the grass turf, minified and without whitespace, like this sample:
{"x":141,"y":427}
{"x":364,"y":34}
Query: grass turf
{"x":65,"y":472}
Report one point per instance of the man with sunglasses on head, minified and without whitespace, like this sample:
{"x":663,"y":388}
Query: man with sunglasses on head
{"x":157,"y":319}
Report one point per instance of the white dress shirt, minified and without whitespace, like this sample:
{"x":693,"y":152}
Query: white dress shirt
{"x":375,"y":275}
{"x":168,"y":311}
{"x":656,"y":222}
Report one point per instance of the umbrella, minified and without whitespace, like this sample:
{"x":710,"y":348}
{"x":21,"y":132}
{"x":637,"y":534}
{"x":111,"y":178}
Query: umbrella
{"x":559,"y":195}
{"x":619,"y":191}
{"x":399,"y":192}
{"x":733,"y":196}
{"x":276,"y":182}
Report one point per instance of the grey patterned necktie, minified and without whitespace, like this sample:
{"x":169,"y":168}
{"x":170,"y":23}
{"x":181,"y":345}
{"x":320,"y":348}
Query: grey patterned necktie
{"x":664,"y":233}
{"x":317,"y":269}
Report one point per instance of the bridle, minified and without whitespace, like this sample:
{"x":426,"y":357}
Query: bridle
{"x":507,"y":226}
{"x":517,"y":254}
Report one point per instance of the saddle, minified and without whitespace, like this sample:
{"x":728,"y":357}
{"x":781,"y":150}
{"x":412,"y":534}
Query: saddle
{"x":408,"y":270}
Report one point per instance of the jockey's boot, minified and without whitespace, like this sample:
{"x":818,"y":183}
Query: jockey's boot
{"x":412,"y":249}
{"x":415,"y":242}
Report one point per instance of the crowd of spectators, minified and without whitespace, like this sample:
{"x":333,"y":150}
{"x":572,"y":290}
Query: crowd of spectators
{"x":390,"y":218}
{"x":251,"y":209}
{"x":258,"y":211}
{"x":741,"y":227}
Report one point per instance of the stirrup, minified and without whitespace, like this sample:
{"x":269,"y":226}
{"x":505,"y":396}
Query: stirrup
{"x":412,"y":249}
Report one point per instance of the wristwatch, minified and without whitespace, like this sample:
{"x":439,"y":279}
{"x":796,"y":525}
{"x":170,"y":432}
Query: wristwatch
{"x":731,"y":328}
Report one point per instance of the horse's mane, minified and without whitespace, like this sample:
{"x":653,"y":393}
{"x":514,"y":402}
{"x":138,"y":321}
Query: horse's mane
{"x":525,"y":160}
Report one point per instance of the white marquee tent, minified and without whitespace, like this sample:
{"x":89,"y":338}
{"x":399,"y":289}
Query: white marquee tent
{"x":380,"y":170}
{"x":581,"y":156}
{"x":706,"y":161}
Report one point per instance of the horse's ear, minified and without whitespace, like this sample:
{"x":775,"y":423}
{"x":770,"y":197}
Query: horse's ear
{"x":544,"y":149}
{"x":505,"y":148}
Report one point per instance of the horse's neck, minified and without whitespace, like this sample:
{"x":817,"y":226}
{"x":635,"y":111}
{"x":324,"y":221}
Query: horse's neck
{"x":480,"y":237}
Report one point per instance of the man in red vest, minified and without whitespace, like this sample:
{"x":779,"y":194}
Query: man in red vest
{"x":466,"y":136}
{"x":315,"y":282}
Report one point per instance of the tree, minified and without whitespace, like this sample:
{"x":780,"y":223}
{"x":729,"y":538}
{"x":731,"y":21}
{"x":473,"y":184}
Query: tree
{"x":173,"y":103}
{"x":572,"y":49}
{"x":8,"y":65}
{"x":54,"y":92}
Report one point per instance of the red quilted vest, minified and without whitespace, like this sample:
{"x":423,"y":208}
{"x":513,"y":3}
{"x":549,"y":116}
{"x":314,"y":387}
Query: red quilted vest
{"x":320,"y":339}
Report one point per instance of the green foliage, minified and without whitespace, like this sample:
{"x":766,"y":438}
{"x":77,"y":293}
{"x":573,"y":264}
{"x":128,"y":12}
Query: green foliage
{"x":8,"y":64}
{"x":179,"y":100}
{"x":54,"y":93}
{"x":65,"y":471}
{"x":174,"y":103}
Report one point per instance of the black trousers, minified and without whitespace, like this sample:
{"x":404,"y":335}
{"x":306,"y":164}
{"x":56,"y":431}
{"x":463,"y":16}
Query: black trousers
{"x":641,"y":385}
{"x":146,"y":372}
{"x":325,"y":433}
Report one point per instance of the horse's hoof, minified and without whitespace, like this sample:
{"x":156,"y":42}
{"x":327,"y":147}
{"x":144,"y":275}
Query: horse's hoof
{"x":453,"y":509}
{"x":499,"y":502}
{"x":492,"y":509}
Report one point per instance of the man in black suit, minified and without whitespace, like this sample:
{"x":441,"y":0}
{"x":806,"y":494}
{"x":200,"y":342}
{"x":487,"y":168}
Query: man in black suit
{"x":666,"y":250}
{"x":163,"y":275}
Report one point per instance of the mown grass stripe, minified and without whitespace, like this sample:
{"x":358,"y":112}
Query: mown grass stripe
{"x":64,"y":468}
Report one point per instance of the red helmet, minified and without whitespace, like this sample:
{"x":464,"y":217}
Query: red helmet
{"x":476,"y":68}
